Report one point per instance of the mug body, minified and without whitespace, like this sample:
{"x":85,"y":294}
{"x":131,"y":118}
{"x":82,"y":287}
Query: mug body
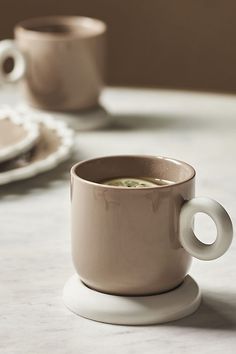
{"x":125,"y":241}
{"x":65,"y":61}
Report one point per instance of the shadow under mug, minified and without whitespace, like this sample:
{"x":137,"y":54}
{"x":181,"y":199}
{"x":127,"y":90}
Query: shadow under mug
{"x":139,"y":241}
{"x":60,"y":61}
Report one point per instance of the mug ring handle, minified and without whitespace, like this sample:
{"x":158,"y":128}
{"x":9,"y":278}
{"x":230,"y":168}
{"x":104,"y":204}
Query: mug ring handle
{"x":9,"y":49}
{"x":223,"y":224}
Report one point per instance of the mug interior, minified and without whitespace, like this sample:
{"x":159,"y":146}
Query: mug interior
{"x":63,"y":26}
{"x":105,"y":168}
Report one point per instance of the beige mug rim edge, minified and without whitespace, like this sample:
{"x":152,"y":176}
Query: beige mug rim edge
{"x":20,"y":27}
{"x":131,"y":189}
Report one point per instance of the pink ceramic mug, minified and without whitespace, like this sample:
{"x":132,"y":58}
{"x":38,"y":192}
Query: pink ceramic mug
{"x":59,"y":60}
{"x":131,"y":241}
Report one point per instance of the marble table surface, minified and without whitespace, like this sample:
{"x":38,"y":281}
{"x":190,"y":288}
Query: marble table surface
{"x":199,"y":128}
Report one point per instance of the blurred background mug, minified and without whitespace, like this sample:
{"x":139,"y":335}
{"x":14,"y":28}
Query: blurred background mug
{"x":59,"y":61}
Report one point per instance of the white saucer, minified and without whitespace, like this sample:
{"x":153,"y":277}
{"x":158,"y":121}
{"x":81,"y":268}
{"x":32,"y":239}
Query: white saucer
{"x":90,"y":119}
{"x":132,"y":310}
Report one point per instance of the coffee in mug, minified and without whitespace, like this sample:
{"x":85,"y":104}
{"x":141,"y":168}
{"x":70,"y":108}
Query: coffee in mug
{"x":136,"y":182}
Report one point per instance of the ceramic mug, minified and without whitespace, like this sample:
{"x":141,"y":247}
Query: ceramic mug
{"x":59,"y":61}
{"x":139,"y":241}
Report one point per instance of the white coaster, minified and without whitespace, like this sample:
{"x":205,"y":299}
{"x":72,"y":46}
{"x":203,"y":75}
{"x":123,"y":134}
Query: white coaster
{"x":132,"y":310}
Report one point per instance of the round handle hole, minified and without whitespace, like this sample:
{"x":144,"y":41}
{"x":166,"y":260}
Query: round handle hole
{"x":8,"y":65}
{"x":204,"y":228}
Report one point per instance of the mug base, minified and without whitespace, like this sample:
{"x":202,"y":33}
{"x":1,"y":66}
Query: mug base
{"x":132,"y":310}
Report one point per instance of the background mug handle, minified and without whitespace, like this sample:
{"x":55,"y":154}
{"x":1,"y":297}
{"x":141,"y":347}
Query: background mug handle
{"x":223,"y":224}
{"x":9,"y":49}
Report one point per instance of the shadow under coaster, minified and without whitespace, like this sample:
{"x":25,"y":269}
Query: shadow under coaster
{"x":132,"y":310}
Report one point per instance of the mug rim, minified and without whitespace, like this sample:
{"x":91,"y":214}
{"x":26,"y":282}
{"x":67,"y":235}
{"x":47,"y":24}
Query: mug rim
{"x":98,"y":27}
{"x":180,"y":162}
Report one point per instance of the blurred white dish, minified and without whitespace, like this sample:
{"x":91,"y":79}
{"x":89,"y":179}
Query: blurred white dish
{"x":17,"y":134}
{"x":54,"y":146}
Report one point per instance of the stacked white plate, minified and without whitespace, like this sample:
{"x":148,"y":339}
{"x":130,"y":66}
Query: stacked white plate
{"x":31,"y":143}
